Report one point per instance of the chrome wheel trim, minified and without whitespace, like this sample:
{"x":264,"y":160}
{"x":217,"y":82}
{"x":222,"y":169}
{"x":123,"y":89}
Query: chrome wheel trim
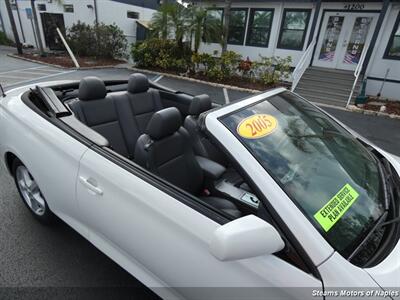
{"x":30,"y":191}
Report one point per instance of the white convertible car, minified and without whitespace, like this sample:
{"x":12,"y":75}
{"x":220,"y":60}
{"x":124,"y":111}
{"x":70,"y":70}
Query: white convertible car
{"x":195,"y":200}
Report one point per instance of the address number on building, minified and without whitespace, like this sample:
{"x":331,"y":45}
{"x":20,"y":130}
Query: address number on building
{"x":354,"y":6}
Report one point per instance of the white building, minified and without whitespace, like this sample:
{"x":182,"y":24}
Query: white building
{"x":52,"y":14}
{"x":326,"y":39}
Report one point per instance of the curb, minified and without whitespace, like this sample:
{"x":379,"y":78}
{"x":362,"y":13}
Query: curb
{"x":356,"y":109}
{"x":65,"y":68}
{"x":220,"y":85}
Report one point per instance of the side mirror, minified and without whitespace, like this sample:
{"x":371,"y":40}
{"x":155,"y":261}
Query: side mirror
{"x":243,"y":238}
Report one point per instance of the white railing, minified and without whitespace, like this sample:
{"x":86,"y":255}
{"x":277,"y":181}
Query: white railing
{"x":302,"y":65}
{"x":357,"y":73}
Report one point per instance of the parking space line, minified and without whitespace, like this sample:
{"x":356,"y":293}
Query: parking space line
{"x":38,"y":72}
{"x":39,"y":78}
{"x":13,"y":77}
{"x":226,"y":96}
{"x":157,"y":78}
{"x":6,"y":72}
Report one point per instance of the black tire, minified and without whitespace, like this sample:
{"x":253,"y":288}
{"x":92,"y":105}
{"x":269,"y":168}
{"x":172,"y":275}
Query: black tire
{"x":46,"y":217}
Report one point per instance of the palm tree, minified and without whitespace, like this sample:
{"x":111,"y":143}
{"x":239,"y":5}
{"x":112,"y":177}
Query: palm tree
{"x":225,"y":32}
{"x":179,"y":17}
{"x":171,"y":19}
{"x":202,"y":27}
{"x":160,"y":22}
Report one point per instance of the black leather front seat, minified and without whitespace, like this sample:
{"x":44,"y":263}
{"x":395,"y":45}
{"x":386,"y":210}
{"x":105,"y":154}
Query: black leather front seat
{"x":201,"y":144}
{"x":165,"y":149}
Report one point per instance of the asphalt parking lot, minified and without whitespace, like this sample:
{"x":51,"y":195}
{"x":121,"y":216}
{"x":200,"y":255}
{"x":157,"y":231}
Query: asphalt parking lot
{"x":32,"y":255}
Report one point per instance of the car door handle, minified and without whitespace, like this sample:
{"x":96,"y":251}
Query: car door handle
{"x":91,"y":185}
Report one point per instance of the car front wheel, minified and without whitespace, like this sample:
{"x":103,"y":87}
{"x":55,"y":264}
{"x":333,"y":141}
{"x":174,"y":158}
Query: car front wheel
{"x":31,"y":194}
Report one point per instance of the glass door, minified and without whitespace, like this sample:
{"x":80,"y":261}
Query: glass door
{"x":356,"y":41}
{"x":343,"y":38}
{"x":330,"y":40}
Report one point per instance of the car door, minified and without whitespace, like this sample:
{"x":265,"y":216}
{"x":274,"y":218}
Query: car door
{"x":164,"y":242}
{"x":51,"y":155}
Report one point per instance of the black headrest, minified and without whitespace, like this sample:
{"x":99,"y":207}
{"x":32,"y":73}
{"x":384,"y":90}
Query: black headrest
{"x":164,"y":123}
{"x":200,"y":103}
{"x":91,"y":88}
{"x":138,"y":83}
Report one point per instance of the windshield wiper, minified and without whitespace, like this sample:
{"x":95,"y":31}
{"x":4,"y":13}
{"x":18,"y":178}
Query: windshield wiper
{"x":392,"y":221}
{"x":378,"y":224}
{"x":386,"y":189}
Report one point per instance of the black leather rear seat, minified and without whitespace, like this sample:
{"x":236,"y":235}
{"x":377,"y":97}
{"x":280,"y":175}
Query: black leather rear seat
{"x":120,"y":117}
{"x":135,"y":108}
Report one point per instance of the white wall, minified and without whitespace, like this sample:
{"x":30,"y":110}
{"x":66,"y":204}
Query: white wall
{"x":114,"y":12}
{"x":379,"y":65}
{"x":109,"y":12}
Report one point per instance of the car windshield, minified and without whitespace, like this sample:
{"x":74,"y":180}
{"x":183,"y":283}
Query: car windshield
{"x":329,"y":174}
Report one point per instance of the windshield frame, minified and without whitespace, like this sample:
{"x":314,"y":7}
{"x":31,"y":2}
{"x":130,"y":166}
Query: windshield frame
{"x":313,"y":243}
{"x":261,"y":98}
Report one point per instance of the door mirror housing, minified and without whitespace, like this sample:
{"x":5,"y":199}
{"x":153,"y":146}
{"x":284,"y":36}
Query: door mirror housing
{"x":245,"y":237}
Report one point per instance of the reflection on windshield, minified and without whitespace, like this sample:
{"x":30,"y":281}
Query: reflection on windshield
{"x":312,"y":158}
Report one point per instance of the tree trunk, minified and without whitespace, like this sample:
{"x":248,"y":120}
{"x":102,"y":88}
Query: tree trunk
{"x":37,"y":29}
{"x":225,"y":31}
{"x":14,"y":27}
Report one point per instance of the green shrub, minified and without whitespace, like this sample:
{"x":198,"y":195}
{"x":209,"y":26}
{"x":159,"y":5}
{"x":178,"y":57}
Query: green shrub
{"x":272,"y":70}
{"x":164,"y":54}
{"x":82,"y":39}
{"x":112,"y":42}
{"x":203,"y":62}
{"x":217,"y":68}
{"x":230,"y":63}
{"x":102,"y":41}
{"x":216,"y":73}
{"x":4,"y":40}
{"x":167,"y":55}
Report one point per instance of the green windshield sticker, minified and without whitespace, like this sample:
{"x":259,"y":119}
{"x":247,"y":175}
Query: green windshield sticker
{"x":336,"y":207}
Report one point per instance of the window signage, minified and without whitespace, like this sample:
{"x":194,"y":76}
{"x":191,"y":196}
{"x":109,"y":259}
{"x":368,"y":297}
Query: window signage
{"x":354,"y":6}
{"x":332,"y":33}
{"x":357,"y":40}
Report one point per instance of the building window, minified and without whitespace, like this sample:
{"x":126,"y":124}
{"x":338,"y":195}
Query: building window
{"x":69,"y":8}
{"x":259,"y":27}
{"x":393,"y":47}
{"x":213,"y":25}
{"x":41,"y":7}
{"x":132,"y":15}
{"x":237,"y":26}
{"x":294,"y":28}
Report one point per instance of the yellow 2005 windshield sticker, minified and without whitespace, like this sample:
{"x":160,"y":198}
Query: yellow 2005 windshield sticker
{"x":257,"y":126}
{"x":336,"y":207}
